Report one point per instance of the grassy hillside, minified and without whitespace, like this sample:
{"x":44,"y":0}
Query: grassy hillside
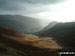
{"x":22,"y":24}
{"x":63,"y":33}
{"x":31,"y":45}
{"x":6,"y":50}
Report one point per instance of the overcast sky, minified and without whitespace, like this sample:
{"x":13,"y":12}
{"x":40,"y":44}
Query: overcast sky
{"x":49,"y":10}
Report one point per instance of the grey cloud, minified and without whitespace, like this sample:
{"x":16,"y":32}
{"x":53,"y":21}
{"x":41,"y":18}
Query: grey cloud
{"x":24,"y":6}
{"x":9,"y":5}
{"x":42,"y":1}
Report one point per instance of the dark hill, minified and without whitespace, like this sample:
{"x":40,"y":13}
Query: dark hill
{"x":49,"y":26}
{"x":22,"y":24}
{"x":63,"y":33}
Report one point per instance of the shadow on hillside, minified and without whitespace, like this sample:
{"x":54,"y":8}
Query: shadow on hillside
{"x":30,"y":44}
{"x":67,"y":41}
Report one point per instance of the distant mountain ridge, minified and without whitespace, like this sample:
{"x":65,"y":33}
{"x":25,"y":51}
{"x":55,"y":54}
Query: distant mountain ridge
{"x":49,"y":26}
{"x":69,"y":26}
{"x":22,"y":24}
{"x":63,"y":33}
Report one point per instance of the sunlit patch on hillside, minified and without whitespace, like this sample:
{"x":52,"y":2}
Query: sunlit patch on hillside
{"x":40,"y":44}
